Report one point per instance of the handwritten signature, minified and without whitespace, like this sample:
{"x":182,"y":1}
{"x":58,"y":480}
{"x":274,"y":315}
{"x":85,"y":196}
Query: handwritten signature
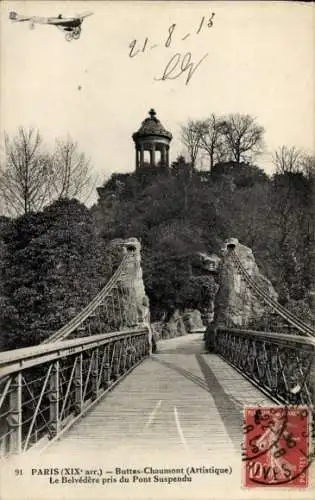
{"x":134,"y":45}
{"x":180,"y":64}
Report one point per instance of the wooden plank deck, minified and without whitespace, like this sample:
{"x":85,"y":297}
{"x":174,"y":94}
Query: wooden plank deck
{"x":183,"y":399}
{"x":183,"y":407}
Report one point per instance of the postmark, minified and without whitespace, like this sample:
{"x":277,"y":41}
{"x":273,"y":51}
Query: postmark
{"x":277,"y":446}
{"x":263,"y":427}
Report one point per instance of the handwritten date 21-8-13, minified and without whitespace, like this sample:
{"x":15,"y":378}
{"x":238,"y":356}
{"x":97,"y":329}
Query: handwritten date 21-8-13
{"x":178,"y":64}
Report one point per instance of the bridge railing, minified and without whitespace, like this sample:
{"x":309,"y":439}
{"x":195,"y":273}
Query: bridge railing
{"x":45,"y":388}
{"x":281,"y":365}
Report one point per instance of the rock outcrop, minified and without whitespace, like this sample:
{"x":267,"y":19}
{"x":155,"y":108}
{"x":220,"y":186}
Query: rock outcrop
{"x":134,"y":298}
{"x":205,"y":271}
{"x":180,"y":323}
{"x":193,"y":321}
{"x":236,"y":304}
{"x":133,"y":279}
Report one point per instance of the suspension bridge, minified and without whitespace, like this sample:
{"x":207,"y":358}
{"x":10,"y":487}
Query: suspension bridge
{"x":95,"y":387}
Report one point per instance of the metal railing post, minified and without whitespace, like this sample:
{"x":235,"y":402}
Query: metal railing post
{"x":78,"y":385}
{"x":14,"y":418}
{"x":94,"y":374}
{"x":54,"y":398}
{"x":117,"y":357}
{"x":108,"y":367}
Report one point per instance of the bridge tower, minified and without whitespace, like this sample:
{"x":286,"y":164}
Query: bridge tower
{"x":152,"y":137}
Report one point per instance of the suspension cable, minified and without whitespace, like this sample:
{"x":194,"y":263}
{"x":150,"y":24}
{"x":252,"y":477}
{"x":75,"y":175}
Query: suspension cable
{"x":73,"y":324}
{"x":282,"y":311}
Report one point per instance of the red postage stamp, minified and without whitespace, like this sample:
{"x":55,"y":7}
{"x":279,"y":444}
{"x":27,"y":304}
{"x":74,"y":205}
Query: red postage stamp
{"x":277,"y":446}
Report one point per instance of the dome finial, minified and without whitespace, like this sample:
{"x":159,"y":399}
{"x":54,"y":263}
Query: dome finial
{"x":152,"y":113}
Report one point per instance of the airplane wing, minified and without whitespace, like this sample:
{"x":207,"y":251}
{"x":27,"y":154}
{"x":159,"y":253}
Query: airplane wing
{"x":83,"y":15}
{"x":39,"y":20}
{"x":63,"y":21}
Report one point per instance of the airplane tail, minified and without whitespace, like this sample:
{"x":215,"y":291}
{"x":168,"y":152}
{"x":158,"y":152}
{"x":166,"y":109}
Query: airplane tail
{"x":13,"y":16}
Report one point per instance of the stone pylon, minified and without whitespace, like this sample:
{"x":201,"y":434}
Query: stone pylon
{"x":236,"y":304}
{"x":135,"y":302}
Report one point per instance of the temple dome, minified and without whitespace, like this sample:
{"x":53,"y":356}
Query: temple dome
{"x":151,"y":126}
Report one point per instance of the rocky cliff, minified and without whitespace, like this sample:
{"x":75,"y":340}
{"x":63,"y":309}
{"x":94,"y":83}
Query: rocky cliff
{"x":134,"y":298}
{"x":235,"y":303}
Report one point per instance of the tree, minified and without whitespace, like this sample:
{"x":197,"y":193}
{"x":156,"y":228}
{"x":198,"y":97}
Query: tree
{"x":71,"y":172}
{"x":166,"y":257}
{"x":183,"y":172}
{"x":181,"y":169}
{"x":24,"y":181}
{"x":308,"y":166}
{"x":6,"y":307}
{"x":293,"y":215}
{"x":287,"y":160}
{"x":243,"y":137}
{"x":32,"y":178}
{"x":212,"y":140}
{"x":191,"y":135}
{"x":198,"y":292}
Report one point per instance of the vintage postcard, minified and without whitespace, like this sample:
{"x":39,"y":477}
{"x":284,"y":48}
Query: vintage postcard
{"x":157,"y":329}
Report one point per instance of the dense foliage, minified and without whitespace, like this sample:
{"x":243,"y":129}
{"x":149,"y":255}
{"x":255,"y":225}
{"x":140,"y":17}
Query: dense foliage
{"x":53,"y":262}
{"x":184,"y":211}
{"x":54,"y":265}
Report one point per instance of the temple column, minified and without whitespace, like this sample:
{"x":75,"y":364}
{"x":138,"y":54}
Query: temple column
{"x":141,"y":155}
{"x":152,"y":155}
{"x":137,"y":157}
{"x":167,"y":156}
{"x":163,"y":156}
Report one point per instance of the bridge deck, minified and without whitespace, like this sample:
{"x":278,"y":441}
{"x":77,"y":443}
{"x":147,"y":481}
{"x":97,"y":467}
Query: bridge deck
{"x":181,"y":399}
{"x":182,"y":407}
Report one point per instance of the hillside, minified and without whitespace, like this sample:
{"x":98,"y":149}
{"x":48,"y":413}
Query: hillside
{"x":53,"y":262}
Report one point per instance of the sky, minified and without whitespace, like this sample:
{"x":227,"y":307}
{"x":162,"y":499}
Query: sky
{"x":257,"y":58}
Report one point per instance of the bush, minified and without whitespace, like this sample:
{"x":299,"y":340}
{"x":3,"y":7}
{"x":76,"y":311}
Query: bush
{"x":56,"y":266}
